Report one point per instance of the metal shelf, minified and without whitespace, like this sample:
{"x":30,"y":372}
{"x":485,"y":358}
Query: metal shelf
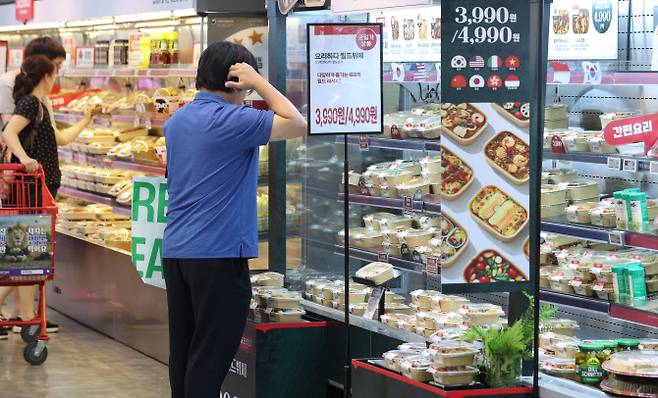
{"x":571,"y":300}
{"x":394,"y":203}
{"x":182,"y":71}
{"x":598,"y":234}
{"x":559,"y":387}
{"x":643,"y":163}
{"x":366,"y":255}
{"x":134,"y":118}
{"x":105,"y":162}
{"x":86,"y":196}
{"x":363,"y":323}
{"x":392,"y":143}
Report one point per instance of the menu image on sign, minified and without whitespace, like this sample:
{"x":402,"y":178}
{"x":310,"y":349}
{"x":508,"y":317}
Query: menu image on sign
{"x":485,"y":54}
{"x":411,"y":36}
{"x":485,"y":213}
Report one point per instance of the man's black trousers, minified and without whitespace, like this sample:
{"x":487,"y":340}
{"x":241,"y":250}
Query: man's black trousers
{"x":208,"y":305}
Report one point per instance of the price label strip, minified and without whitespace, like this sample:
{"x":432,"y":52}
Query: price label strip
{"x":630,"y":165}
{"x":614,"y":163}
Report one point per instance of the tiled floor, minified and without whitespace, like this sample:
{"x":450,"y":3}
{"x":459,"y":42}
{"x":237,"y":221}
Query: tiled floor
{"x":81,"y":364}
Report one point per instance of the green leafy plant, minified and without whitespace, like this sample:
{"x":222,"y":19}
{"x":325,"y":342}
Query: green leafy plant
{"x":504,"y":349}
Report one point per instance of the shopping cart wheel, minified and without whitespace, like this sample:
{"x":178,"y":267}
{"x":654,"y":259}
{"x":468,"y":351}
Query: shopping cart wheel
{"x":36,"y":352}
{"x":30,"y":333}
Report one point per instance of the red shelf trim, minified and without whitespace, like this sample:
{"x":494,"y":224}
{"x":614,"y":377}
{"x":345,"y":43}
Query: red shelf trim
{"x":435,"y":390}
{"x":265,"y":327}
{"x":634,"y":315}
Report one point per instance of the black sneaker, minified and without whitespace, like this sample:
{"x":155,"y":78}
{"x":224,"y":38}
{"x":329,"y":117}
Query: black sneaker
{"x":3,"y":334}
{"x":50,"y":327}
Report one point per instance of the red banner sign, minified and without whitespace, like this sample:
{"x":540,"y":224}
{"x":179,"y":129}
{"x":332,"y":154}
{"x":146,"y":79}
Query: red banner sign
{"x":24,"y":10}
{"x":633,"y":129}
{"x":557,"y":146}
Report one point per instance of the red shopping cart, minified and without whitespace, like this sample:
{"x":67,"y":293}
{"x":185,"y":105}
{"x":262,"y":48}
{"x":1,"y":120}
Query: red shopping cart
{"x":27,"y":247}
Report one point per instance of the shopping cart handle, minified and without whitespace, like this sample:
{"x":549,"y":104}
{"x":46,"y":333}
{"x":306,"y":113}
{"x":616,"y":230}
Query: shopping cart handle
{"x":16,"y":167}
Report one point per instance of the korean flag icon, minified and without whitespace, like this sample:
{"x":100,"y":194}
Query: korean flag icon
{"x":476,"y":82}
{"x":458,"y":62}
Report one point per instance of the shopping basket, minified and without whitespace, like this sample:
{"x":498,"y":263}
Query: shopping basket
{"x":27,"y":247}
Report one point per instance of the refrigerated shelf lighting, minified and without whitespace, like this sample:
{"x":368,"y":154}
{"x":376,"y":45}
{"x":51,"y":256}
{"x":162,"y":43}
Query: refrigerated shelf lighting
{"x":89,"y":22}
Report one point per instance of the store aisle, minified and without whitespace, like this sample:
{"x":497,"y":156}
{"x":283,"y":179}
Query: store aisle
{"x":81,"y":363}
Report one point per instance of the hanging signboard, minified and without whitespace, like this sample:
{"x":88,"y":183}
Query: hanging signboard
{"x":583,"y":29}
{"x":411,"y":35}
{"x":24,"y":10}
{"x":345,"y":79}
{"x":486,"y":143}
{"x":149,"y":209}
{"x":341,"y":6}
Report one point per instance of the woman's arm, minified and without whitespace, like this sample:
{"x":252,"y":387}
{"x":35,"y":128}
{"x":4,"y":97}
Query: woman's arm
{"x":16,"y":124}
{"x":68,"y":135}
{"x":288,"y":122}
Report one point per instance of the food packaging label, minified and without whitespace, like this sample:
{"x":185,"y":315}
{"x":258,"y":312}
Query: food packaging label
{"x":637,"y":285}
{"x":598,"y":286}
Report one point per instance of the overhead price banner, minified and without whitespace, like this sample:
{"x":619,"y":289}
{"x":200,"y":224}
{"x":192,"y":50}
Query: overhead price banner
{"x":583,"y":30}
{"x":24,"y":10}
{"x":485,"y":51}
{"x":345,"y":79}
{"x":149,"y":218}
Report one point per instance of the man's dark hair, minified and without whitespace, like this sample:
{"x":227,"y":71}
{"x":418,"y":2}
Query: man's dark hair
{"x":215,"y":62}
{"x":46,"y":46}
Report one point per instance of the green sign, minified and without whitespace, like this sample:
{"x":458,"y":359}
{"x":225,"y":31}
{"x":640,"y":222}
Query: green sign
{"x":149,"y":218}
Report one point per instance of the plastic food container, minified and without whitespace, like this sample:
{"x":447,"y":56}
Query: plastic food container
{"x":579,"y":213}
{"x":416,"y":368}
{"x":393,"y":358}
{"x":392,"y":249}
{"x":412,"y":187}
{"x":552,"y":195}
{"x":415,"y":238}
{"x":267,"y":279}
{"x":553,"y":211}
{"x":423,"y":298}
{"x":286,"y":316}
{"x":452,"y":303}
{"x":560,"y":283}
{"x":452,"y":353}
{"x":581,"y":190}
{"x":372,"y":220}
{"x":431,"y":164}
{"x":566,"y":350}
{"x":603,"y":217}
{"x":393,"y":222}
{"x":605,"y":293}
{"x":367,"y":240}
{"x":396,"y":177}
{"x":576,"y":142}
{"x":376,"y":272}
{"x":634,"y":363}
{"x":454,"y":376}
{"x":559,"y":176}
{"x":562,"y":367}
{"x":597,"y":144}
{"x":284,"y":300}
{"x":583,"y":289}
{"x":566,"y":327}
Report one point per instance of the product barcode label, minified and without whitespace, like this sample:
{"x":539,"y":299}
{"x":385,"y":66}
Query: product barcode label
{"x":616,"y":238}
{"x":630,"y":165}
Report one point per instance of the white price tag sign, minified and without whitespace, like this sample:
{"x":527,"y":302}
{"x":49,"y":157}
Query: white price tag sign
{"x":614,"y":164}
{"x":616,"y":238}
{"x":382,"y":257}
{"x":84,"y":57}
{"x":432,"y":267}
{"x":653,"y":168}
{"x":630,"y":165}
{"x":345,"y":78}
{"x":373,"y":302}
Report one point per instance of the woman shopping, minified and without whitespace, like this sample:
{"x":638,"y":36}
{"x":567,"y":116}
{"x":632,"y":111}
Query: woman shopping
{"x":30,"y":135}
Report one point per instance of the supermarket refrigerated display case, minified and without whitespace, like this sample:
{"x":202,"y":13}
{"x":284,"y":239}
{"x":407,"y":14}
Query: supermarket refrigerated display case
{"x":320,"y":162}
{"x":578,"y":108}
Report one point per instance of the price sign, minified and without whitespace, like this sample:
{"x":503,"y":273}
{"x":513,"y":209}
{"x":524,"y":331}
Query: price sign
{"x":614,"y":164}
{"x":630,"y":165}
{"x":342,"y":58}
{"x":382,"y":257}
{"x":408,"y":204}
{"x":616,"y":238}
{"x":84,"y":56}
{"x":557,"y":146}
{"x":432,"y":267}
{"x":485,"y":51}
{"x":653,"y":168}
{"x":363,"y":143}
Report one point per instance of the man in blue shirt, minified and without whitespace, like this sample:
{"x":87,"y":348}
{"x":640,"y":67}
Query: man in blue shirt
{"x":212,"y":229}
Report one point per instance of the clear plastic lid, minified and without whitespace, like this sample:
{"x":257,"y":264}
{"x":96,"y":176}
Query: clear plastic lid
{"x":560,"y":324}
{"x":453,"y":370}
{"x":633,"y":363}
{"x":447,"y":334}
{"x":452,"y":347}
{"x":416,"y":362}
{"x":420,"y":346}
{"x":481,"y":309}
{"x":559,"y":364}
{"x":399,"y":354}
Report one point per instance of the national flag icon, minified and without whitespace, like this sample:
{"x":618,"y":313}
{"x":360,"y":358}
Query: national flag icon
{"x":512,"y":82}
{"x":421,"y":72}
{"x":476,"y":62}
{"x":512,"y":62}
{"x":458,"y":62}
{"x":458,"y":82}
{"x":494,"y":82}
{"x":494,"y":62}
{"x":561,"y":72}
{"x":476,"y":81}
